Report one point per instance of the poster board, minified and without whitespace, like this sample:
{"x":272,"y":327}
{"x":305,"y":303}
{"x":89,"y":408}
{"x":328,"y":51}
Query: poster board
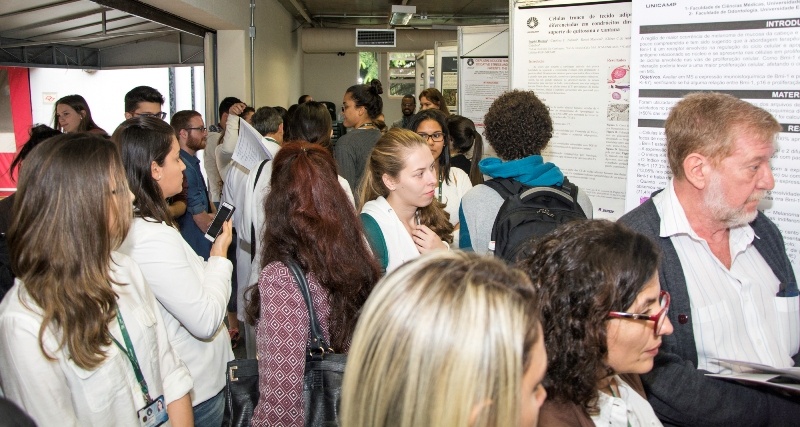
{"x":748,"y":50}
{"x":446,"y":57}
{"x":576,"y":57}
{"x":424,"y":67}
{"x":483,"y":72}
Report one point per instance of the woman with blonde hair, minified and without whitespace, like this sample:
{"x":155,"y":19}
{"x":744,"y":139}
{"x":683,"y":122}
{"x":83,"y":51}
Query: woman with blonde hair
{"x":449,"y":339}
{"x":82,"y":340}
{"x":399,"y":210}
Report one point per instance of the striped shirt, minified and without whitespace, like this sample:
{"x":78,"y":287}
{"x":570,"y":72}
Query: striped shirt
{"x":736,"y":311}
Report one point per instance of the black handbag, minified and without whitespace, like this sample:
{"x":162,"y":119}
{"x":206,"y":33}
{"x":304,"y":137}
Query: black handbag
{"x":322,"y":381}
{"x":241,"y":392}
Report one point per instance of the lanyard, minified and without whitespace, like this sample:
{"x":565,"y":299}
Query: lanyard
{"x":440,"y":189}
{"x":129,"y":351}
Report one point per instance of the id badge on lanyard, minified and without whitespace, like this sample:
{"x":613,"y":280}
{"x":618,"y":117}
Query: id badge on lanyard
{"x":154,"y":412}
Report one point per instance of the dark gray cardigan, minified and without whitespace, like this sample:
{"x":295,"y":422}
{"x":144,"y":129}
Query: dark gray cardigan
{"x":679,"y":392}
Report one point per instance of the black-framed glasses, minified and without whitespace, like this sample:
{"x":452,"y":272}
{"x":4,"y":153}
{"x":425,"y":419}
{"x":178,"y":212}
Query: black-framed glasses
{"x":203,"y":129}
{"x":435,"y":137}
{"x":659,"y":318}
{"x":161,"y":115}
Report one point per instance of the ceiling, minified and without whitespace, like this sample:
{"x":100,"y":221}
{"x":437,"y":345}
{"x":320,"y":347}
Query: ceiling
{"x":438,"y":14}
{"x":114,"y":33}
{"x":74,"y":32}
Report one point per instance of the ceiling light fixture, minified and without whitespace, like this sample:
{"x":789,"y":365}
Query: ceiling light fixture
{"x":401,"y":15}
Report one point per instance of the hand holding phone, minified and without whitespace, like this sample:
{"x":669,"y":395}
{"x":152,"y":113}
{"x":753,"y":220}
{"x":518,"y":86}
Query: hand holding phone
{"x":223,"y":214}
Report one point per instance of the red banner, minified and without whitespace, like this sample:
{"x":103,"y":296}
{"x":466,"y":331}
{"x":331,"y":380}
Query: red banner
{"x":22,"y":119}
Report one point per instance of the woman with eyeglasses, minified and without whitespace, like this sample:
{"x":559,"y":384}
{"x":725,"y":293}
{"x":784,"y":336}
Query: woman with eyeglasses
{"x":401,"y":216}
{"x":452,"y":183}
{"x":605,"y":315}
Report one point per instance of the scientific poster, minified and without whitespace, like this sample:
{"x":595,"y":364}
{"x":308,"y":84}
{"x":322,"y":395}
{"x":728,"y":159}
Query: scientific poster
{"x":449,"y":73}
{"x":576,"y":59}
{"x":482,"y":80}
{"x":747,"y":49}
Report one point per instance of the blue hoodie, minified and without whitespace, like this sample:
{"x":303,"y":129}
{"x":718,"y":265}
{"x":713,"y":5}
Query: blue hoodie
{"x":530,"y":171}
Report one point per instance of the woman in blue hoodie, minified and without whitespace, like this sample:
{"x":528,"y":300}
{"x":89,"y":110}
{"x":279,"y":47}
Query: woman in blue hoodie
{"x":518,"y":127}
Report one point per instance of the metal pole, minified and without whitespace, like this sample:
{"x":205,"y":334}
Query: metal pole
{"x":252,"y":54}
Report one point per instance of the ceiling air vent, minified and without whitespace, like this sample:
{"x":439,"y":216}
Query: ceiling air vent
{"x":371,"y":38}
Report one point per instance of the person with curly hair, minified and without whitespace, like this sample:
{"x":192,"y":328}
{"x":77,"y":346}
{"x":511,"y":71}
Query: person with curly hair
{"x":518,"y":127}
{"x":401,"y":216}
{"x":605,"y":315}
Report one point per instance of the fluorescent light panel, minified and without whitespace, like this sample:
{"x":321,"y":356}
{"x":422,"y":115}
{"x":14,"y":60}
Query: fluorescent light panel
{"x":401,"y":15}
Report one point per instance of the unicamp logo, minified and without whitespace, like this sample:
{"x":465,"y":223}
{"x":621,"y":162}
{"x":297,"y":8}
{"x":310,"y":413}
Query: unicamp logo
{"x":533,"y":22}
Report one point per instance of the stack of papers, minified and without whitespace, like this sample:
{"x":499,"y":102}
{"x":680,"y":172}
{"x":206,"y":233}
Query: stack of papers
{"x":782,"y":378}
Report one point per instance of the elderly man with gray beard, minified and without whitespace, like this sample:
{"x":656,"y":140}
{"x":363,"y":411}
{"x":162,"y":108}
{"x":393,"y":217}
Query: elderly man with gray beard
{"x":734,"y":293}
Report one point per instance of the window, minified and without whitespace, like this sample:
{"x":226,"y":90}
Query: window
{"x":368,"y":69}
{"x":402,"y":73}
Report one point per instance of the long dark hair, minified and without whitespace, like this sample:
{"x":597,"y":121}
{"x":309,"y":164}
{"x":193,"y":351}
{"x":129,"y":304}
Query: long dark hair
{"x":311,"y":221}
{"x":143,"y":140}
{"x":79,"y":104}
{"x":466,"y":137}
{"x":583,"y":270}
{"x":311,"y":122}
{"x":38,"y":134}
{"x":72,"y":209}
{"x":444,"y":157}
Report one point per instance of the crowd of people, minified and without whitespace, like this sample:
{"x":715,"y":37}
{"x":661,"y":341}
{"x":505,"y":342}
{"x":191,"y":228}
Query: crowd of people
{"x":118,"y":305}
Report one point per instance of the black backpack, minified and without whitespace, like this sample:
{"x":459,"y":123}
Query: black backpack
{"x":530,"y":212}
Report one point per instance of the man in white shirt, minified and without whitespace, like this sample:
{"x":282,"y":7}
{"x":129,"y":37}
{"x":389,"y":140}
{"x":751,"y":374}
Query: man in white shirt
{"x":209,"y":157}
{"x":269,"y":124}
{"x":734,"y":293}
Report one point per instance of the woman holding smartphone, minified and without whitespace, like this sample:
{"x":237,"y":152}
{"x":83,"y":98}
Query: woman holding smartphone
{"x":80,"y":324}
{"x":193,"y":293}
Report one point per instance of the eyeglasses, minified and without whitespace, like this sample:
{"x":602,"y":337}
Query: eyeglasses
{"x":659,"y":318}
{"x":161,"y":115}
{"x":200,"y":129}
{"x":435,"y":137}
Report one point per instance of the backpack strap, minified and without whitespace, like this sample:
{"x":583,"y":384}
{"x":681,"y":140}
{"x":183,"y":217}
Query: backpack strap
{"x":572,"y":189}
{"x":506,"y":187}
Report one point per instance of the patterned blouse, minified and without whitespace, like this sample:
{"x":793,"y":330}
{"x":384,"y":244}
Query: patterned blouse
{"x":281,"y":337}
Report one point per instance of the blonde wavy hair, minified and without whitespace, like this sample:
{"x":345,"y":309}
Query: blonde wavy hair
{"x":389,"y":157}
{"x":444,"y":340}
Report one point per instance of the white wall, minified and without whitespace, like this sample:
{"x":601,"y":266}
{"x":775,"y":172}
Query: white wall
{"x":105,"y":90}
{"x":278,"y":59}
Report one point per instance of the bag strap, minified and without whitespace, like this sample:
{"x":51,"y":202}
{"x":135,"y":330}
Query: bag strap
{"x":316,"y":341}
{"x":252,"y":226}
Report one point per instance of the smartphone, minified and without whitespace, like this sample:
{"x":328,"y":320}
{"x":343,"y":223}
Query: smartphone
{"x":224,"y":213}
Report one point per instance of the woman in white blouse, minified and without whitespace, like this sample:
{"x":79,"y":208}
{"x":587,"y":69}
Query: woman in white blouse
{"x":605,"y":315}
{"x":65,"y":357}
{"x":401,"y":216}
{"x":193,"y":294}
